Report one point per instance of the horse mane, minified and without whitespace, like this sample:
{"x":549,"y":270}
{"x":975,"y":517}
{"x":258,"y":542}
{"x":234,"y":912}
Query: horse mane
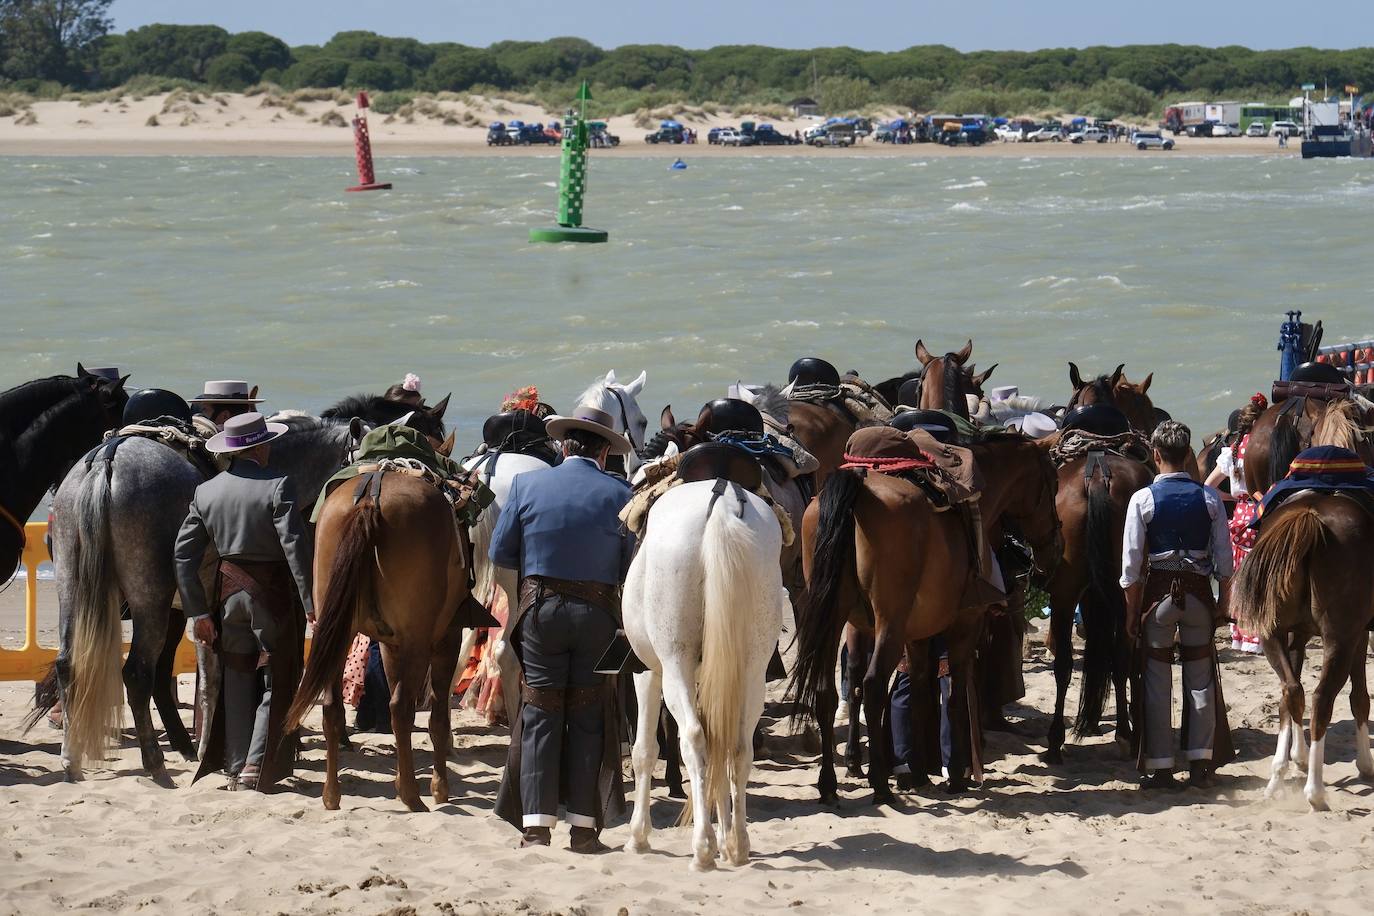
{"x":773,"y":403}
{"x":1340,"y":425}
{"x":373,"y":408}
{"x":594,"y":393}
{"x":952,"y":394}
{"x":31,"y":399}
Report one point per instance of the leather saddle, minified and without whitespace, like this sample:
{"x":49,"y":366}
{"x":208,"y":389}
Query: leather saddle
{"x":717,"y":461}
{"x":1098,"y":419}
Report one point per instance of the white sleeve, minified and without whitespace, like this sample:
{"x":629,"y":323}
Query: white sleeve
{"x":1226,"y":460}
{"x":1138,"y":514}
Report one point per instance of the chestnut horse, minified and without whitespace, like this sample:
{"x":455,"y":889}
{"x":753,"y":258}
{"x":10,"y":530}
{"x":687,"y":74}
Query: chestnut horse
{"x":947,"y":383}
{"x":879,"y":557}
{"x":389,"y":564}
{"x":1127,"y":397}
{"x":1286,"y":428}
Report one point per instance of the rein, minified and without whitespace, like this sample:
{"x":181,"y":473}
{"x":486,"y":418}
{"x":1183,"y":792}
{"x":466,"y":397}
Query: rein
{"x":18,"y":526}
{"x":624,"y":416}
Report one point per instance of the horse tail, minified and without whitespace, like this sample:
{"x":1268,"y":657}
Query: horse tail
{"x":1284,"y":445}
{"x":1274,"y":573}
{"x":337,"y":619}
{"x":1103,"y":607}
{"x":94,"y":709}
{"x":734,"y":590}
{"x":820,"y":617}
{"x":47,"y":693}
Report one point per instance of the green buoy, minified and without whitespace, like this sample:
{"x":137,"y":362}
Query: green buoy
{"x":572,"y":181}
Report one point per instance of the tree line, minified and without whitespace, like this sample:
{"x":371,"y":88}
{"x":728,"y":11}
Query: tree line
{"x":70,"y":42}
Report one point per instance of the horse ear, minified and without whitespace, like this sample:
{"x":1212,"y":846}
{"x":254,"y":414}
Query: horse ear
{"x":610,"y":377}
{"x":1145,"y":385}
{"x":962,"y":356}
{"x":666,"y":421}
{"x":922,"y":354}
{"x":81,"y":371}
{"x":446,"y":447}
{"x":1118,"y":375}
{"x":437,"y":411}
{"x":637,"y":385}
{"x":1075,"y":379}
{"x":983,"y":376}
{"x":356,"y":430}
{"x":253,"y":393}
{"x":119,"y":385}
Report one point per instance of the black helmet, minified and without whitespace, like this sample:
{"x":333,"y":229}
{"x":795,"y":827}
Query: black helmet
{"x":909,"y":393}
{"x":1098,"y":419}
{"x":730,"y":415}
{"x":812,"y":370}
{"x":1318,"y":372}
{"x":147,"y":404}
{"x":935,"y":422}
{"x":520,"y":424}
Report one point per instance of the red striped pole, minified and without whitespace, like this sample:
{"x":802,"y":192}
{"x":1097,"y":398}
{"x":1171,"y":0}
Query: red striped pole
{"x":362,"y":148}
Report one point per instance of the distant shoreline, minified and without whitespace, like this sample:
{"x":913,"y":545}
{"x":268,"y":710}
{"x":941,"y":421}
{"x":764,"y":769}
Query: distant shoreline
{"x":225,"y":124}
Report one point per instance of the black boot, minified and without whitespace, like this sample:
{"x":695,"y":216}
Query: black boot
{"x":536,"y":836}
{"x":1200,"y":774}
{"x":587,"y":840}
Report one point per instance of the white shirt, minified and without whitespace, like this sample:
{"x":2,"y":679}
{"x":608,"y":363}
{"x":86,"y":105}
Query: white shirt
{"x":1234,"y":468}
{"x":1141,"y":510}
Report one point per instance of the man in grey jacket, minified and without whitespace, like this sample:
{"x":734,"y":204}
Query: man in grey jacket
{"x":247,"y":517}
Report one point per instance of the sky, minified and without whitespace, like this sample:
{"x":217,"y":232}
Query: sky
{"x":877,"y":25}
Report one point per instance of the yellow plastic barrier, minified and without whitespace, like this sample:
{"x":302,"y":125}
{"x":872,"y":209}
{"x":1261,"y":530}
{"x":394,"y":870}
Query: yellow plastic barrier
{"x":30,"y":662}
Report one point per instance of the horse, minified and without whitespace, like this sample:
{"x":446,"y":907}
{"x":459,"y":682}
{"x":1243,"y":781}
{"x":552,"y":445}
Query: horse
{"x":1309,"y":575}
{"x":45,"y":425}
{"x":1127,"y":397}
{"x":703,"y":607}
{"x":1286,"y":428}
{"x":115,"y":523}
{"x":389,"y":563}
{"x":620,"y":401}
{"x":880,"y":557}
{"x":947,"y":383}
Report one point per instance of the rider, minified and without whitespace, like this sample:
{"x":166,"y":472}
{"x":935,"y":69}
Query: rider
{"x":224,"y":399}
{"x":248,"y":516}
{"x":560,"y":529}
{"x":1175,"y":542}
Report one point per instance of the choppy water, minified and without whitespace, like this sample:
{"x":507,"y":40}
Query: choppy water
{"x":182,"y":269}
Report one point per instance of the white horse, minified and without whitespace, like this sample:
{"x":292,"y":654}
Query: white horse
{"x":703,"y":607}
{"x":620,"y":401}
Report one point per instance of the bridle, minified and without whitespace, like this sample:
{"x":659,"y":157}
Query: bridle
{"x":624,"y":416}
{"x":16,"y":524}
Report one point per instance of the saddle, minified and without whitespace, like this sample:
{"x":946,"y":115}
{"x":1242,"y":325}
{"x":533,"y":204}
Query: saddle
{"x":467,"y":495}
{"x":719,"y":461}
{"x":1316,"y":391}
{"x":182,"y":438}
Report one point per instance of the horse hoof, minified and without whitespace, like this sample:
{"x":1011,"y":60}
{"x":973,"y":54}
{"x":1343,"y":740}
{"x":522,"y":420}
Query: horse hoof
{"x":1054,"y":757}
{"x":638,"y":847}
{"x":415,"y":805}
{"x":884,"y":797}
{"x":956,"y":788}
{"x":330,"y":799}
{"x":676,"y":792}
{"x":1123,"y":747}
{"x":856,"y":771}
{"x":707,"y":864}
{"x":830,"y":799}
{"x":440,"y":796}
{"x":1318,"y":802}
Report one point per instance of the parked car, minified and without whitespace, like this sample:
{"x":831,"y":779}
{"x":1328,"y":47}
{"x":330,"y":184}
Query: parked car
{"x":529,"y":134}
{"x":1256,"y":129}
{"x":1150,"y":139}
{"x":497,"y":136}
{"x":599,"y":134}
{"x":1089,"y":135}
{"x":1009,"y":133}
{"x":731,"y":137}
{"x":768,"y":135}
{"x":713,"y":135}
{"x":1045,"y":132}
{"x":1286,"y":128}
{"x":834,"y":135}
{"x":666,"y":135}
{"x":1222,"y":130}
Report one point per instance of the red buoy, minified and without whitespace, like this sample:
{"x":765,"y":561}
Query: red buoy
{"x":362,"y":147}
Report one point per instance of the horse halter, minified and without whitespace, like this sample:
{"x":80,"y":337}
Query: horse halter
{"x":624,"y":417}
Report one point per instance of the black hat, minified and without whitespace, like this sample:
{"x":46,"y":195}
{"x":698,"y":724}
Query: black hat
{"x":812,"y":370}
{"x":935,"y":422}
{"x":1098,"y":419}
{"x":1319,"y":372}
{"x":730,"y":415}
{"x":503,"y":426}
{"x":148,"y":404}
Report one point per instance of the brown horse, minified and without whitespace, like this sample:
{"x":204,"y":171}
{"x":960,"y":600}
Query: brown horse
{"x":1127,"y":397}
{"x":946,"y":382}
{"x":389,"y":564}
{"x":1309,"y":575}
{"x":878,"y":556}
{"x":1287,"y":428}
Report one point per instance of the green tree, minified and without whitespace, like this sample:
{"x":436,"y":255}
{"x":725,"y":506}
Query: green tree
{"x":460,"y":70}
{"x":50,"y":39}
{"x":383,"y":75}
{"x":262,"y":50}
{"x":910,"y":92}
{"x":317,"y":72}
{"x":231,"y":71}
{"x":844,"y":94}
{"x":178,"y":51}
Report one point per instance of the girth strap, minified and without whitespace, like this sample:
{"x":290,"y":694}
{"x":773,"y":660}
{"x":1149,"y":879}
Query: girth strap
{"x":1096,"y":462}
{"x":718,"y":490}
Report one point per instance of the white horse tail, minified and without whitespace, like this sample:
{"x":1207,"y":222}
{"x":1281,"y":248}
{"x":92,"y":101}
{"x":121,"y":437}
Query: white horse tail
{"x":95,"y":689}
{"x":734,"y":589}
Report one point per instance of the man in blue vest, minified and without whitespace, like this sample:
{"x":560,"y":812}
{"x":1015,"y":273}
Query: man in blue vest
{"x":560,"y":529}
{"x":1175,"y":542}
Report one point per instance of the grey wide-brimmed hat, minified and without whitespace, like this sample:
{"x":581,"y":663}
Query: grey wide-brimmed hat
{"x":108,"y":373}
{"x":245,"y":431}
{"x":228,"y":391}
{"x":592,"y":420}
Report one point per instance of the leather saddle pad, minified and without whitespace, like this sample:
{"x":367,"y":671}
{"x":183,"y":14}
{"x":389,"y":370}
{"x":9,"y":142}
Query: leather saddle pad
{"x":714,"y":461}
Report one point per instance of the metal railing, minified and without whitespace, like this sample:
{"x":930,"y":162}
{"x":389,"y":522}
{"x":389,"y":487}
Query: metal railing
{"x":30,"y":661}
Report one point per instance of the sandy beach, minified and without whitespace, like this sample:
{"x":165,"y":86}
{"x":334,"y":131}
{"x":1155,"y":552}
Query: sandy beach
{"x":1077,"y":838}
{"x":228,"y":124}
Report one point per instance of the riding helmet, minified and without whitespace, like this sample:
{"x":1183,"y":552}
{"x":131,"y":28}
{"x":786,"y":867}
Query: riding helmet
{"x":1098,"y":419}
{"x":1319,"y":372}
{"x":909,"y":394}
{"x":812,"y":370}
{"x":147,"y":404}
{"x":502,"y":426}
{"x":730,"y":415}
{"x":939,"y":425}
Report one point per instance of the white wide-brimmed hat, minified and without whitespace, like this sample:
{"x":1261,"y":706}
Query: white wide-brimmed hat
{"x":228,"y":391}
{"x":1035,"y":425}
{"x":245,"y":431}
{"x":592,"y":420}
{"x":1004,"y":392}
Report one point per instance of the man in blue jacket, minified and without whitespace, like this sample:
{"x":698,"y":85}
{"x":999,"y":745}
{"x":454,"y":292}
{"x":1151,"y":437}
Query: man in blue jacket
{"x":560,"y":529}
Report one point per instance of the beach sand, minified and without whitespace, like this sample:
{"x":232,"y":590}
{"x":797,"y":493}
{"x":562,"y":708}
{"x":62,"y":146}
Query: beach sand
{"x":228,"y":124}
{"x":1077,"y":838}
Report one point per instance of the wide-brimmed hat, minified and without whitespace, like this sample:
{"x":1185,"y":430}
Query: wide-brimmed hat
{"x":108,"y":373}
{"x":227,"y":391}
{"x":592,"y":420}
{"x":245,"y":431}
{"x":1035,"y":425}
{"x":1004,"y":392}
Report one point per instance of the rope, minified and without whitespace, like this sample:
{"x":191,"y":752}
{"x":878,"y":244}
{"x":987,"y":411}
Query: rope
{"x":18,"y":526}
{"x":887,"y":465}
{"x":1076,"y":443}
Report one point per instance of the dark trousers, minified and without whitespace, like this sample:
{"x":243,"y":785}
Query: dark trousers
{"x":561,"y":640}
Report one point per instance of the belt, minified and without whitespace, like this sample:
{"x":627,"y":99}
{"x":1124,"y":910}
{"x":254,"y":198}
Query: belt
{"x":597,"y":594}
{"x":1177,"y":584}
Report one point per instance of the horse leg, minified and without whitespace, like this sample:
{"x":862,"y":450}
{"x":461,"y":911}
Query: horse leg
{"x":737,"y":837}
{"x":649,"y":696}
{"x":887,"y":650}
{"x":442,"y":666}
{"x":679,"y":692}
{"x":140,"y":671}
{"x":672,"y":754}
{"x":961,"y":641}
{"x":1121,"y":666}
{"x":1061,"y":629}
{"x":827,"y":702}
{"x":164,"y":688}
{"x":1297,"y":656}
{"x":859,"y":647}
{"x":1337,"y":654}
{"x":1359,"y":707}
{"x":1290,"y":711}
{"x":405,"y":672}
{"x":332,"y":707}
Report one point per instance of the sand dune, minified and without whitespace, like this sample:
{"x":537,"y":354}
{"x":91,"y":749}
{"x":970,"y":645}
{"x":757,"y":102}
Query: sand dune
{"x":1078,"y":838}
{"x":229,"y":124}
